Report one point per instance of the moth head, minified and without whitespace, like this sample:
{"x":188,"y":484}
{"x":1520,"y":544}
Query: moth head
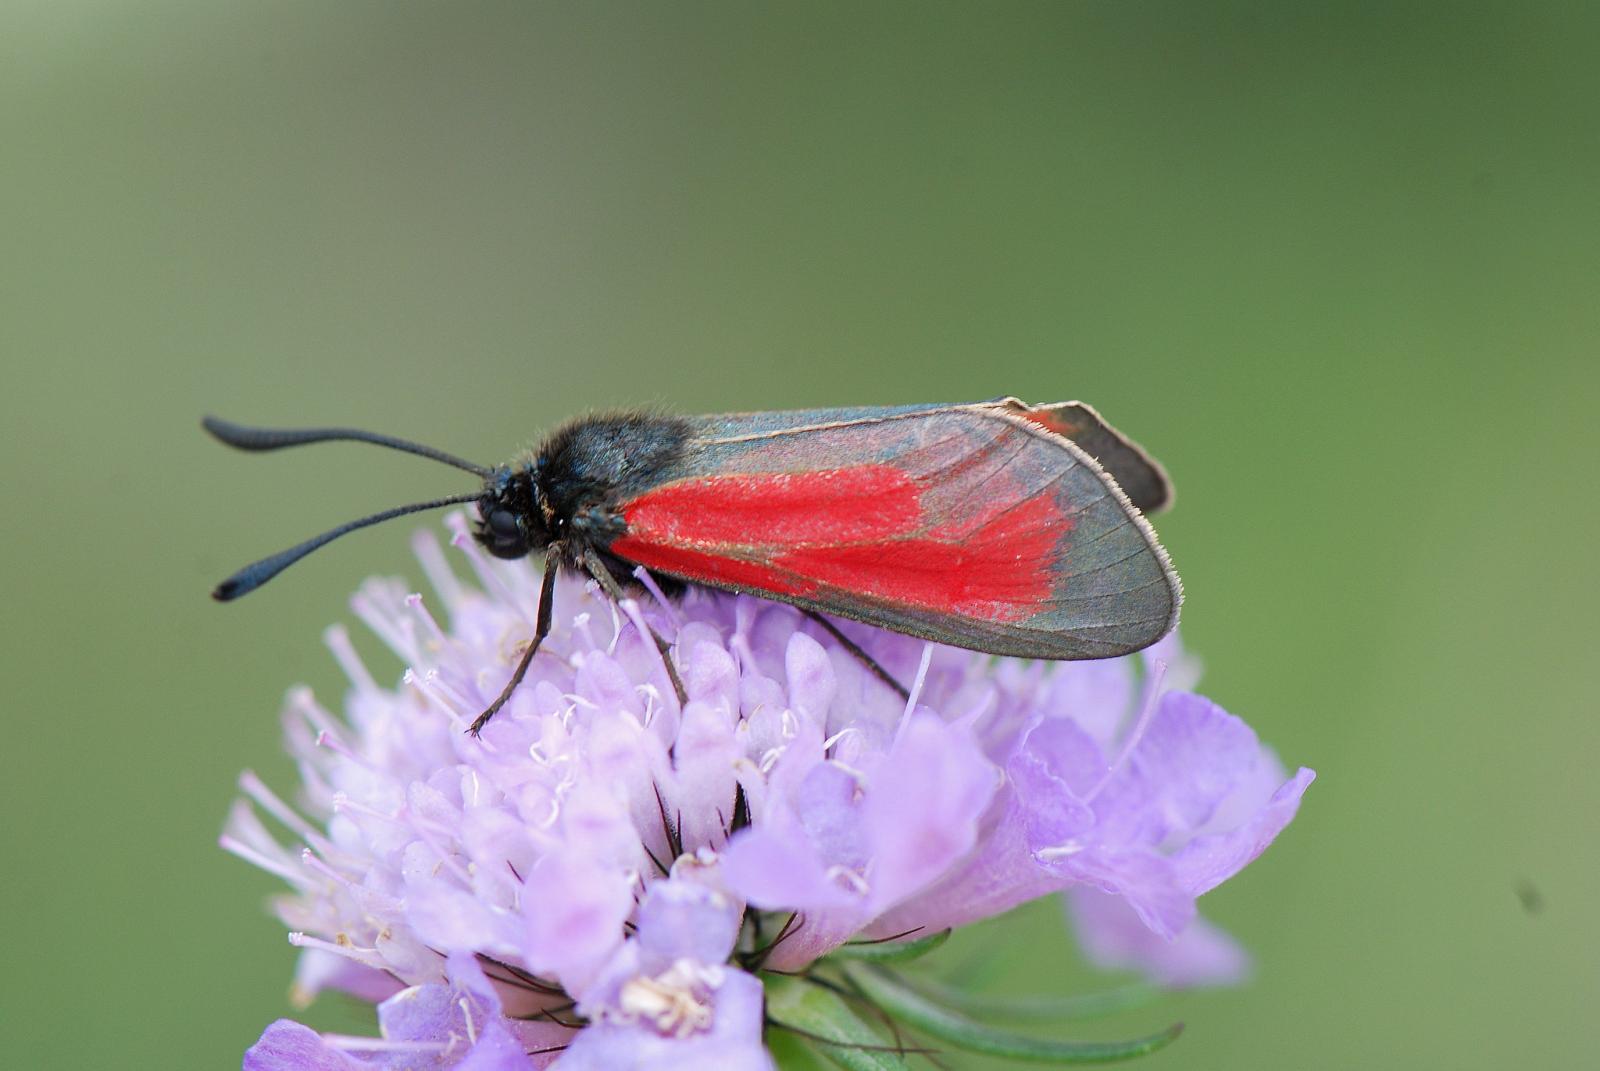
{"x":511,"y":522}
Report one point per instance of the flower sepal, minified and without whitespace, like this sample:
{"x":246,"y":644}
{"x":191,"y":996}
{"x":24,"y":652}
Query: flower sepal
{"x":898,"y":1000}
{"x":890,"y":951}
{"x":826,"y":1023}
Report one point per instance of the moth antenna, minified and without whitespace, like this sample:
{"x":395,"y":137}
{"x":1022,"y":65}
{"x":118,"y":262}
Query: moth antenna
{"x":243,"y":437}
{"x":255,"y":574}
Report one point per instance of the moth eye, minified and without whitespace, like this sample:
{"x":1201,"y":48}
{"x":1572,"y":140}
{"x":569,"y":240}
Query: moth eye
{"x":503,"y":523}
{"x":503,"y":535}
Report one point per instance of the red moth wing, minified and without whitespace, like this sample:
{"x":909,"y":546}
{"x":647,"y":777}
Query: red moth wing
{"x":967,"y":525}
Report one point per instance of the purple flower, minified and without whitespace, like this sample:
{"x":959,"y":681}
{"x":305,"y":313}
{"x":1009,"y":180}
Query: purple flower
{"x":598,"y":880}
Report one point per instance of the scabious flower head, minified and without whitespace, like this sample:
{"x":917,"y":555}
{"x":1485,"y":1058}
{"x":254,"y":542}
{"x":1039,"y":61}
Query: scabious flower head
{"x":600,"y":880}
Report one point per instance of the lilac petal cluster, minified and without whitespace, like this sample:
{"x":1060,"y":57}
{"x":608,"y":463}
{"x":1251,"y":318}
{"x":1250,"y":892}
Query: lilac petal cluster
{"x":670,"y":999}
{"x":598,"y":880}
{"x":454,"y":1023}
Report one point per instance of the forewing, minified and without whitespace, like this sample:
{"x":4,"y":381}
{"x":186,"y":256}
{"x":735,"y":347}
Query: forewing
{"x":967,"y":525}
{"x":1140,"y":476}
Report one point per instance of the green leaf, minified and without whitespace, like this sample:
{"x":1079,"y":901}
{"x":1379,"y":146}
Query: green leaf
{"x":791,"y":1053}
{"x":827,"y":1022}
{"x":890,"y":951}
{"x":901,"y":1001}
{"x":1023,"y":1009}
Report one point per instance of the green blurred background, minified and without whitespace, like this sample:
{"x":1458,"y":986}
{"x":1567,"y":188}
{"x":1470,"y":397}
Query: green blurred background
{"x":1337,"y":265}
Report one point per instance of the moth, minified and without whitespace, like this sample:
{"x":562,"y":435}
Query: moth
{"x":998,"y":526}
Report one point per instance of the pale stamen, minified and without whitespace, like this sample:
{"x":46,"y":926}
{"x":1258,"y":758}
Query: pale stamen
{"x":337,"y":639}
{"x":672,"y":1002}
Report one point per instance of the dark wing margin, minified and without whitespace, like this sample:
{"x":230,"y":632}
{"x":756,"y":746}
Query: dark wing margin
{"x":1141,"y":477}
{"x":977,"y":526}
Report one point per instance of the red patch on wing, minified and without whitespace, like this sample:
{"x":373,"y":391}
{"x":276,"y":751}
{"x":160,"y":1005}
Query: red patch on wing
{"x":842,"y":505}
{"x":708,"y":567}
{"x":998,"y":572}
{"x":857,"y":530}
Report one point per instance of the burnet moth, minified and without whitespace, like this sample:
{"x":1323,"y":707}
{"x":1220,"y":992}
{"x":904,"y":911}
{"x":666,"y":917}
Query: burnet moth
{"x":998,"y":526}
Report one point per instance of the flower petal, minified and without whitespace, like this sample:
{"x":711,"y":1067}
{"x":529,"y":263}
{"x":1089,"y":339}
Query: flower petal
{"x":1189,"y":759}
{"x":1114,"y":937}
{"x":575,"y":921}
{"x":776,"y":867}
{"x":921,"y":810}
{"x":680,"y":920}
{"x":1208,"y":861}
{"x":288,"y":1046}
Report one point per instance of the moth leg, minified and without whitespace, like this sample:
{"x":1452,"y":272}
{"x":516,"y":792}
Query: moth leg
{"x":608,"y":583}
{"x":861,"y":656}
{"x":541,"y":629}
